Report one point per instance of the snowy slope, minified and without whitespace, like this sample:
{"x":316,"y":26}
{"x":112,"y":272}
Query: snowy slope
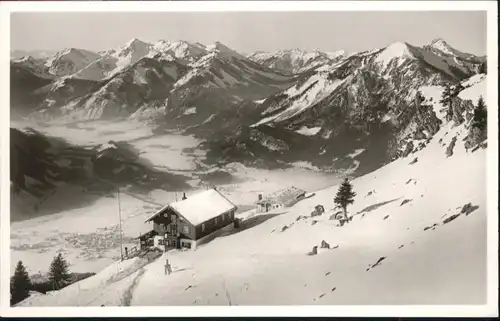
{"x":405,"y":245}
{"x":270,"y":271}
{"x":316,"y":88}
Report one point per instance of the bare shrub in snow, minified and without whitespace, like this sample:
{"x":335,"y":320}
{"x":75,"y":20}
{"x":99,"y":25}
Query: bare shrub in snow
{"x":449,"y":150}
{"x":451,"y":218}
{"x":468,"y":208}
{"x":379,"y":261}
{"x":314,"y":251}
{"x":318,"y":210}
{"x":405,"y":201}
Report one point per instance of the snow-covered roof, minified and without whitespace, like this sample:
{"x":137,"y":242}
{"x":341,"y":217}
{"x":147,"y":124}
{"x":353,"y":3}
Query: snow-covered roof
{"x":282,"y":196}
{"x":200,"y":207}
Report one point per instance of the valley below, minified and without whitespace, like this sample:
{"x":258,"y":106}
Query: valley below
{"x":83,"y":223}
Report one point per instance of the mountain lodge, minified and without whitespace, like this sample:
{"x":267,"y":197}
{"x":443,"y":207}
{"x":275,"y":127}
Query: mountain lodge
{"x":185,"y":223}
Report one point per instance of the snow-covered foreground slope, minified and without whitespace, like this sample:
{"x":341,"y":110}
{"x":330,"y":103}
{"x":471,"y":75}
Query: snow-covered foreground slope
{"x":263,"y":265}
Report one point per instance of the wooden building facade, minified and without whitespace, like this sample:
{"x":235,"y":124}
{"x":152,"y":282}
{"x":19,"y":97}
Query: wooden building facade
{"x":183,"y":224}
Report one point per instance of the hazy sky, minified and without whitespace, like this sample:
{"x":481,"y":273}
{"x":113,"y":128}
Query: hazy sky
{"x":251,"y":31}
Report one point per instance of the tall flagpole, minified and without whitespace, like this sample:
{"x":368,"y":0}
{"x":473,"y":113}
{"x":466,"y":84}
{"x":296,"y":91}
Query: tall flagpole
{"x":120,"y":217}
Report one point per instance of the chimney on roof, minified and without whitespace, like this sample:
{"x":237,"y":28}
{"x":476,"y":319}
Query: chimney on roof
{"x":184,"y":196}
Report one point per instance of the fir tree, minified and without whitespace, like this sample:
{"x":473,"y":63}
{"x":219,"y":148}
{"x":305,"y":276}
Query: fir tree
{"x":59,"y":274}
{"x":20,"y":284}
{"x":345,"y":196}
{"x":479,"y":120}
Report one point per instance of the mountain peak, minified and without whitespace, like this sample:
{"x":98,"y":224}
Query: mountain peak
{"x":438,"y":41}
{"x":336,"y":54}
{"x":133,"y":40}
{"x":68,"y":51}
{"x":224,"y":50}
{"x":134,"y":43}
{"x":26,"y":59}
{"x":398,"y":50}
{"x":161,"y":45}
{"x":441,"y":45}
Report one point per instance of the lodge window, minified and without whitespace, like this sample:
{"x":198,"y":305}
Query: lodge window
{"x":172,"y":217}
{"x":203,"y":227}
{"x":223,"y":217}
{"x":174,"y":229}
{"x":162,"y":226}
{"x":186,"y":229}
{"x":215,"y":221}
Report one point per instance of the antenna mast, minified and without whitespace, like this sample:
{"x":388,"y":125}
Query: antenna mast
{"x":120,"y":218}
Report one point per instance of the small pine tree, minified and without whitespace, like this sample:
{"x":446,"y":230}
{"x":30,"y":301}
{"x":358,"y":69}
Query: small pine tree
{"x":345,"y":196}
{"x":20,"y":284}
{"x":446,"y":100}
{"x":59,"y":274}
{"x":419,"y":97}
{"x":446,"y":95}
{"x":483,"y":69}
{"x":480,"y":116}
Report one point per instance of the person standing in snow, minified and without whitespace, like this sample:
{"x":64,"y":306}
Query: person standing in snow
{"x":168,"y":268}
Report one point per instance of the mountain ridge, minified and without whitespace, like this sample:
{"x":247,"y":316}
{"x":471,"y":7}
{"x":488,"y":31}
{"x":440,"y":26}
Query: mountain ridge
{"x":212,"y":91}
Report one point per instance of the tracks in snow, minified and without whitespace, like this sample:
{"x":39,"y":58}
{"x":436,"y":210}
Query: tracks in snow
{"x":127,"y":296}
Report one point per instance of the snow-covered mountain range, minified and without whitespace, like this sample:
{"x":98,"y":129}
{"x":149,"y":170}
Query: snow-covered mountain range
{"x":282,"y":106}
